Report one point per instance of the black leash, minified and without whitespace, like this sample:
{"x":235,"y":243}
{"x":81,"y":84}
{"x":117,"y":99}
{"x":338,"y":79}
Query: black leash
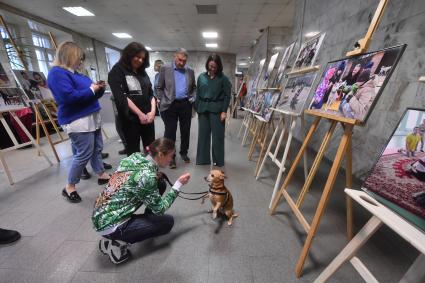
{"x":163,"y":176}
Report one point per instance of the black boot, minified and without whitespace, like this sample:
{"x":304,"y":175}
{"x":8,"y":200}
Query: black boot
{"x":85,"y":175}
{"x":8,"y":236}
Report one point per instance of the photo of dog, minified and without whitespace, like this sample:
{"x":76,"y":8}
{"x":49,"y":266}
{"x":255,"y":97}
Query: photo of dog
{"x":220,"y":197}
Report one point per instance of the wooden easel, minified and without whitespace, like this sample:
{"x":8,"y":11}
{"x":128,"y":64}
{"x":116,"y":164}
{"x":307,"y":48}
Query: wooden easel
{"x":286,"y":125}
{"x":260,"y":136}
{"x":16,"y":145}
{"x":36,"y":106}
{"x":381,"y":215}
{"x":343,"y":149}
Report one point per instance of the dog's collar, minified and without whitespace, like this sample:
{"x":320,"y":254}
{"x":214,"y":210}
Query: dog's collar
{"x":215,"y":192}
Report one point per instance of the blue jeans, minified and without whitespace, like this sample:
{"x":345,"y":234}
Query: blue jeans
{"x":85,"y":147}
{"x":143,"y":226}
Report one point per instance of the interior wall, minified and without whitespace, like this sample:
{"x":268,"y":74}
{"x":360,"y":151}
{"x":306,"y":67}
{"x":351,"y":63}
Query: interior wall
{"x":347,"y":21}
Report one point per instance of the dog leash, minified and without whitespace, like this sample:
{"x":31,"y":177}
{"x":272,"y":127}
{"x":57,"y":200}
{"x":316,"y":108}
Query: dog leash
{"x":203,"y":194}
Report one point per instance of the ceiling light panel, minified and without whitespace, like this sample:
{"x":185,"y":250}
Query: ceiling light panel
{"x":79,"y":11}
{"x":210,"y":34}
{"x":211,"y":45}
{"x":121,"y":35}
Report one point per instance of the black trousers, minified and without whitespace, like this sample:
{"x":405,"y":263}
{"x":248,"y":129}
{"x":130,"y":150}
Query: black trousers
{"x":179,"y":111}
{"x":118,"y":125}
{"x":133,"y":132}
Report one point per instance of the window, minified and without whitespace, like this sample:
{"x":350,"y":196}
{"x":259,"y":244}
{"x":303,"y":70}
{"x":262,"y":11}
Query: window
{"x":15,"y":61}
{"x":44,"y":52}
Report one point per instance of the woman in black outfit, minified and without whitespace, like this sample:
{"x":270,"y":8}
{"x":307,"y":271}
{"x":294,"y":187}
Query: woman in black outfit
{"x":132,"y":91}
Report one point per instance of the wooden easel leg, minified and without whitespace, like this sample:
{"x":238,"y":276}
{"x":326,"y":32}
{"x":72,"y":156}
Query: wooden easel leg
{"x":105,"y":134}
{"x":350,"y":249}
{"x":283,"y":161}
{"x":416,"y":272}
{"x":291,"y":172}
{"x":270,"y":147}
{"x":46,"y":132}
{"x":262,"y":147}
{"x":2,"y":159}
{"x":244,"y":122}
{"x":247,"y":128}
{"x":52,"y":121}
{"x":37,"y":128}
{"x":28,"y":134}
{"x":256,"y":133}
{"x":316,"y":163}
{"x":324,"y":198}
{"x":349,"y":185}
{"x":306,"y":152}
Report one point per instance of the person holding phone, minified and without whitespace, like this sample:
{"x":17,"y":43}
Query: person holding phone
{"x":136,"y":182}
{"x":133,"y":96}
{"x":78,"y":114}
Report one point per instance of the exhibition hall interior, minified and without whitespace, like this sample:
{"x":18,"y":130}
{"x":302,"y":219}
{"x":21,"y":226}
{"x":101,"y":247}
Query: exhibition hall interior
{"x":212,"y":141}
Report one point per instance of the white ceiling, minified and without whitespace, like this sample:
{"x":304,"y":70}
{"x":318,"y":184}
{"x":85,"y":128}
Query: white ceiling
{"x":168,"y":24}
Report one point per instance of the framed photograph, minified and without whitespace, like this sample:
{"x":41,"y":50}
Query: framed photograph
{"x":11,"y":99}
{"x":308,"y":52}
{"x":295,"y":94}
{"x":34,"y":84}
{"x":351,"y":87}
{"x":6,"y":76}
{"x":277,"y":80}
{"x":398,"y":177}
{"x":253,"y":84}
{"x":266,"y":75}
{"x":270,"y":100}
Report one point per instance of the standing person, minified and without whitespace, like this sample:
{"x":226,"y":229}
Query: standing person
{"x":212,"y":101}
{"x":412,"y":141}
{"x":136,"y":182}
{"x":157,"y":66}
{"x":78,"y":114}
{"x":176,"y":91}
{"x":133,"y":95}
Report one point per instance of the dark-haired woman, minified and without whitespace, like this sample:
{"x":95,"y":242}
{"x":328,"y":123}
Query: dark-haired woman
{"x":212,"y":101}
{"x":136,"y":182}
{"x":132,"y":91}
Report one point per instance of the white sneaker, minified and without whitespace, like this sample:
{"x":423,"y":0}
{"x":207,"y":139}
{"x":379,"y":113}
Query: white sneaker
{"x":104,"y":245}
{"x":118,"y":252}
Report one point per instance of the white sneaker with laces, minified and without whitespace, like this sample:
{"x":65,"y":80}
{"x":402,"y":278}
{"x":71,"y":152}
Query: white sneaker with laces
{"x":118,"y":252}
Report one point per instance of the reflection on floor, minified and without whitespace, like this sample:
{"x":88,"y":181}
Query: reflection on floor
{"x":59,"y":245}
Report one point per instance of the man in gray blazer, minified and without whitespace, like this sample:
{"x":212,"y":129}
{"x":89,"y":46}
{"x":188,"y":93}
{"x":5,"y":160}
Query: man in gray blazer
{"x":176,"y":90}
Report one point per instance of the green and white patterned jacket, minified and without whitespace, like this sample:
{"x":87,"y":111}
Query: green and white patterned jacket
{"x":133,"y":184}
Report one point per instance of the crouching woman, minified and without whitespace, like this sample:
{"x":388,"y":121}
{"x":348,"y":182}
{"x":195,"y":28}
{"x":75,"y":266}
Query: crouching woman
{"x":135,"y":183}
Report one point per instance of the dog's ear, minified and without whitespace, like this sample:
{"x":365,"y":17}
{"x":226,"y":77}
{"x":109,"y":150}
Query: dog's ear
{"x":224,"y":174}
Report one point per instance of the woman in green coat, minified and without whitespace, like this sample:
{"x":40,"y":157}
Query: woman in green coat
{"x":212,"y":101}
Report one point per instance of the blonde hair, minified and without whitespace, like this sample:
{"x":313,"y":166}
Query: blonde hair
{"x":68,"y":55}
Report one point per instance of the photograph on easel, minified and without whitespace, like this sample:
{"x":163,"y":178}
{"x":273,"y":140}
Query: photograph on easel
{"x":308,"y":52}
{"x":6,"y":77}
{"x":350,"y":87}
{"x":257,"y":102}
{"x":264,"y":79}
{"x":277,"y":81}
{"x":11,"y":99}
{"x":398,"y":177}
{"x":270,"y":100}
{"x":34,"y":84}
{"x":295,"y":94}
{"x":253,"y":83}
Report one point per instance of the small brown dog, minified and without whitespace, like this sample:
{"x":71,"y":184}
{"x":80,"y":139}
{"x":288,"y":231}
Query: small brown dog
{"x":220,"y":196}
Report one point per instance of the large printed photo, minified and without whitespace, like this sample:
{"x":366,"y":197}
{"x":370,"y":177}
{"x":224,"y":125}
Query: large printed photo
{"x":308,"y":52}
{"x":399,"y":174}
{"x":350,"y":87}
{"x":295,"y":94}
{"x":34,"y":84}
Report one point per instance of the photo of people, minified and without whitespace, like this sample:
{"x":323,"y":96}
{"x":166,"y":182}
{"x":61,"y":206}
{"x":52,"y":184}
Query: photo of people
{"x":277,"y":81}
{"x":10,"y":99}
{"x":270,"y":100}
{"x":350,"y":87}
{"x":399,"y":174}
{"x":6,"y":78}
{"x":253,"y":84}
{"x":266,"y":75}
{"x":308,"y":52}
{"x":258,"y":102}
{"x":34,"y":85}
{"x":295,"y":94}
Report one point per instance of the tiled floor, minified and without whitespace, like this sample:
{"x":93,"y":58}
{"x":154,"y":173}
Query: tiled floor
{"x":59,"y":245}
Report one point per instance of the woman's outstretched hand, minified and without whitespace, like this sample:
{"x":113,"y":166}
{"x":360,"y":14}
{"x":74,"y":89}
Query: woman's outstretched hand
{"x":184,"y":179}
